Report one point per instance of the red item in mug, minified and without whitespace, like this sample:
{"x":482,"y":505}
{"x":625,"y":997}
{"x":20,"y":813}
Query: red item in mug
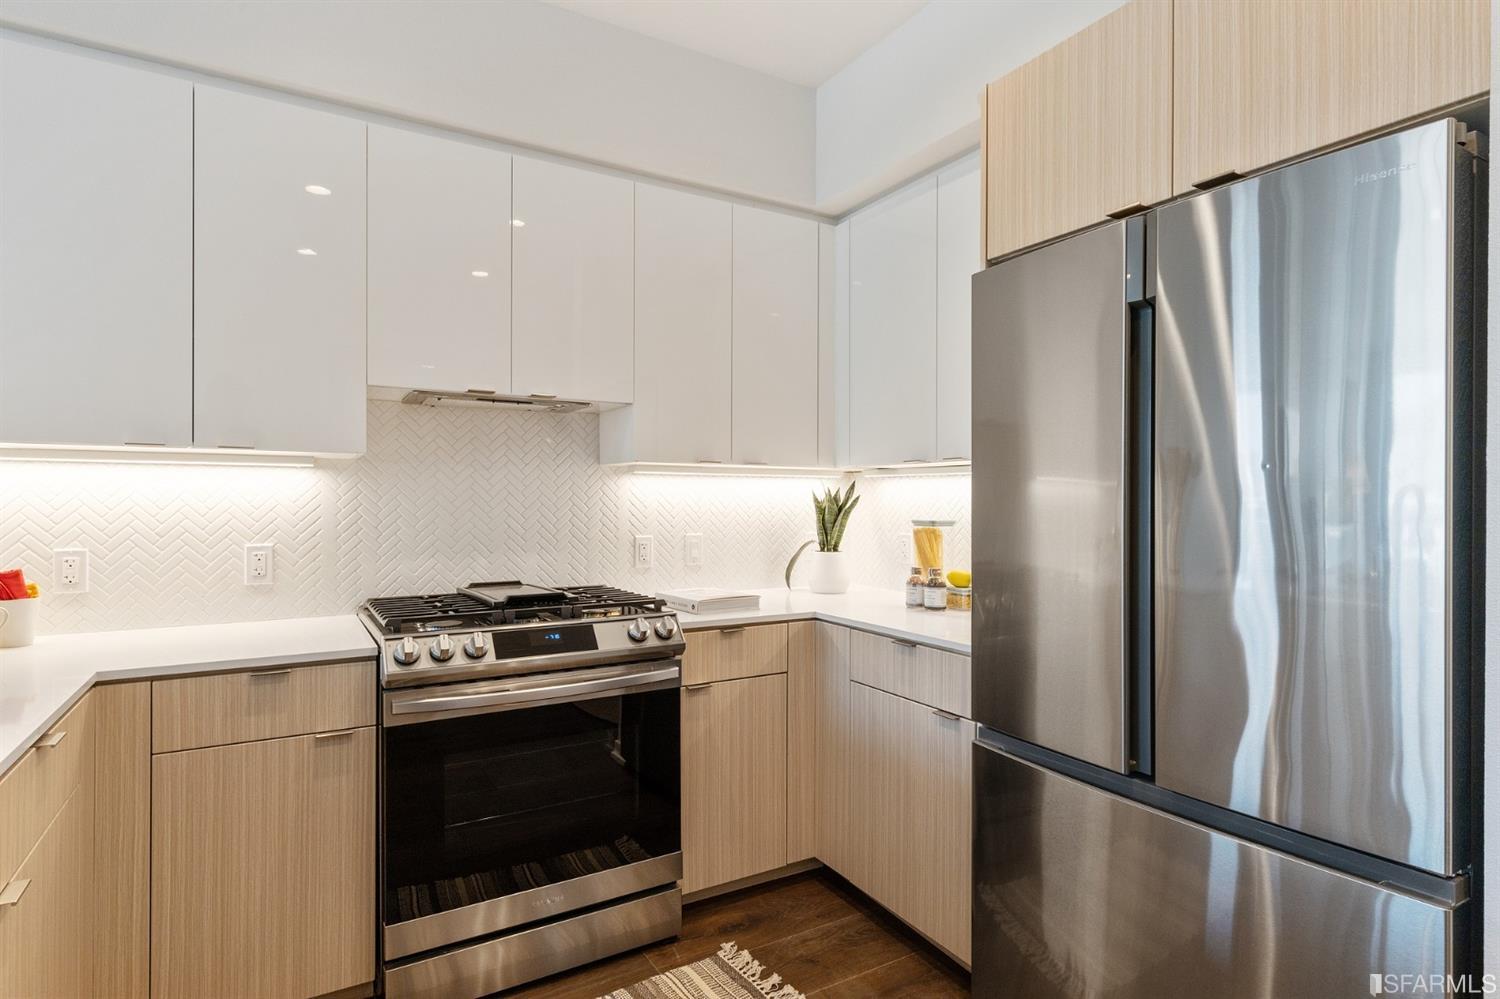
{"x":13,"y":585}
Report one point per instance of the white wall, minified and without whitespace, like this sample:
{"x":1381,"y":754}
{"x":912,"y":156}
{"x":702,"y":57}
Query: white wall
{"x":519,"y":71}
{"x":912,"y":100}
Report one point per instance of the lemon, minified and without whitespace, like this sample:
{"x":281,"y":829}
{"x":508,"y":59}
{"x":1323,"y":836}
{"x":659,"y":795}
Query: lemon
{"x":960,"y":579}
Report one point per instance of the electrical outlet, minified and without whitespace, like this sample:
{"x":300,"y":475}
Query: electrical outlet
{"x":70,"y":570}
{"x":259,"y":565}
{"x":644,"y":551}
{"x":692,"y":549}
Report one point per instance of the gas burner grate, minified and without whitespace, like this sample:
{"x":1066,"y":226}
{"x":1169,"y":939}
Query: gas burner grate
{"x":390,"y":612}
{"x":585,"y":599}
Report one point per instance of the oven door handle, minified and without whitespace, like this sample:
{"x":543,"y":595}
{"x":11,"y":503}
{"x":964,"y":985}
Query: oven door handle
{"x":552,"y":688}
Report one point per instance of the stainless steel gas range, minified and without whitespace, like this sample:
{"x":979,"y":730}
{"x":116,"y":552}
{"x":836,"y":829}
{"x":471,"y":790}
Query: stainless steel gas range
{"x":530,"y":761}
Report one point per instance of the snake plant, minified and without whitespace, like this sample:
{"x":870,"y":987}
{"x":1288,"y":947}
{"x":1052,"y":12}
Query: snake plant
{"x":832,"y":512}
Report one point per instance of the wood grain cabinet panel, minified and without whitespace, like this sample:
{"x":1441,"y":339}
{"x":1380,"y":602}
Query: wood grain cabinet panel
{"x":1255,"y":83}
{"x":733,"y":780}
{"x":833,"y":746}
{"x":734,"y":653}
{"x":916,"y":672}
{"x":263,"y":868}
{"x":195,"y":711}
{"x":1081,"y":132}
{"x":46,"y":937}
{"x":122,"y":840}
{"x":802,"y":699}
{"x":37,"y":786}
{"x":911,"y":811}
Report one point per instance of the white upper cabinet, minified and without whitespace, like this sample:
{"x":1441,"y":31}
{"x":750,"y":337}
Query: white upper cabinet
{"x":439,"y":259}
{"x":776,"y":315}
{"x":958,"y":258}
{"x":279,"y":265}
{"x":893,"y":328}
{"x":681,"y":411}
{"x":572,"y":290}
{"x":96,"y":237}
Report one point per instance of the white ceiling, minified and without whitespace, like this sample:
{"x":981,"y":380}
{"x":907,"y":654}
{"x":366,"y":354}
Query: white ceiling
{"x":800,"y":41}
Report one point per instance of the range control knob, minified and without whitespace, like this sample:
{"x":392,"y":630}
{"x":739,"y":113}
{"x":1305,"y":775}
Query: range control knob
{"x":442,"y":649}
{"x":666,"y":628}
{"x":638,"y":630}
{"x":477,"y":647}
{"x":406,"y":653}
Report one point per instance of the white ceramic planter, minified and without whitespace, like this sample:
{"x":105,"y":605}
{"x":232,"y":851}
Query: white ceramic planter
{"x":830,"y":572}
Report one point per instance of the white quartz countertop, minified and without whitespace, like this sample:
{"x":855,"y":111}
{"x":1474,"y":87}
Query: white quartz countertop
{"x":883,"y":612}
{"x":40,"y":682}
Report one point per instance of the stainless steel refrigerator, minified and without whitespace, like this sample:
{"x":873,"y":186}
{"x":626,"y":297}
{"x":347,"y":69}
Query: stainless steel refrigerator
{"x":1225,"y":506}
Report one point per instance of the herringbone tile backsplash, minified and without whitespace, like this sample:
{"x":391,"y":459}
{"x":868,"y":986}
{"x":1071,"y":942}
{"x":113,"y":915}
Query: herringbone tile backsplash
{"x":441,"y":497}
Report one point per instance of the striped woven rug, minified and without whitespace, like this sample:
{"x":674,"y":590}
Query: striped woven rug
{"x":730,"y":974}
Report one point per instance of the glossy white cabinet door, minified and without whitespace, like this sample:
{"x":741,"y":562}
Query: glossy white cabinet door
{"x":775,"y":338}
{"x":682,"y":345}
{"x":439,"y":260}
{"x":572,"y":263}
{"x":279,"y":305}
{"x":957,"y":260}
{"x":893,"y":328}
{"x":96,"y":237}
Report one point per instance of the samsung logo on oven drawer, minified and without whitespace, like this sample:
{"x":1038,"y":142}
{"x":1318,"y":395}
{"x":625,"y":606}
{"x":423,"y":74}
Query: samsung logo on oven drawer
{"x":1371,"y":176}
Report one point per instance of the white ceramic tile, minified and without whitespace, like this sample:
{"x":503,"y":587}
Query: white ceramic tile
{"x":442,"y":497}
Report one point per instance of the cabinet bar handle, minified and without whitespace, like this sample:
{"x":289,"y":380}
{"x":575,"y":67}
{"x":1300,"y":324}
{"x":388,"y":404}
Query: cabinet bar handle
{"x":145,"y":443}
{"x":697,"y":686}
{"x":710,"y":461}
{"x":757,"y":462}
{"x":1217,"y":179}
{"x":51,"y":739}
{"x":1134,"y":208}
{"x":542,"y":395}
{"x":475,"y":391}
{"x":912,"y":461}
{"x":262,"y":674}
{"x":949,"y":715}
{"x":333,"y":735}
{"x":12,"y":892}
{"x":903,"y":643}
{"x":239,"y":447}
{"x":730,"y":631}
{"x":955,"y":457}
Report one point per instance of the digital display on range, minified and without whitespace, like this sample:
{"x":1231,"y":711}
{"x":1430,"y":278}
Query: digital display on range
{"x":531,"y":642}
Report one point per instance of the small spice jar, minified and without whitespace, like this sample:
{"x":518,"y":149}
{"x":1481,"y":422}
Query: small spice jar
{"x":960,"y":598}
{"x":936,"y":595}
{"x":916,"y":587}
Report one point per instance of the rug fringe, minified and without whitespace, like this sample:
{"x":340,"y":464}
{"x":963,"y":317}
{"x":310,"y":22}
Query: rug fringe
{"x":742,"y":962}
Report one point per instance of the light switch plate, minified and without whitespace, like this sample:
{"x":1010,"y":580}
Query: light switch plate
{"x":70,"y":570}
{"x":259,"y":564}
{"x":692,"y":549}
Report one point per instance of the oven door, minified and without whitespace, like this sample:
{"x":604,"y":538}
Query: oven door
{"x":510,"y":801}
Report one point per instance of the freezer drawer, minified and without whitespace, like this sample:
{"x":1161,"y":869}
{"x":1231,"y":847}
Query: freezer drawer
{"x":1312,"y":502}
{"x":1050,"y":346}
{"x":1080,"y":893}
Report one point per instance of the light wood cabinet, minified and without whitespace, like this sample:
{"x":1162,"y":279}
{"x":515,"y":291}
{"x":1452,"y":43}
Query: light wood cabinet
{"x":47,"y":911}
{"x":573,"y":286}
{"x":191,"y":712}
{"x":1255,"y":83}
{"x":775,"y":393}
{"x":1081,"y":132}
{"x":916,"y":672}
{"x":734,"y":653}
{"x":910,"y":800}
{"x":733,"y":780}
{"x":834,"y":747}
{"x":263,"y":867}
{"x":121,"y":892}
{"x":683,"y":280}
{"x":802,"y":717}
{"x":96,"y":242}
{"x":893,"y":328}
{"x":279,"y":276}
{"x":439,"y":259}
{"x":35,"y":788}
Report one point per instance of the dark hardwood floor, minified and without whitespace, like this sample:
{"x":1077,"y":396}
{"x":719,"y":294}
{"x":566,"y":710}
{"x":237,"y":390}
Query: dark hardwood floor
{"x":816,"y":931}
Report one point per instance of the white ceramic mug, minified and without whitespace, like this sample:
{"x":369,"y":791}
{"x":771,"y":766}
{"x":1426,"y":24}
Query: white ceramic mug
{"x":18,"y":622}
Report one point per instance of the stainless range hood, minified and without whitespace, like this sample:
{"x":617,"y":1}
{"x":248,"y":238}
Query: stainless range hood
{"x":534,"y":403}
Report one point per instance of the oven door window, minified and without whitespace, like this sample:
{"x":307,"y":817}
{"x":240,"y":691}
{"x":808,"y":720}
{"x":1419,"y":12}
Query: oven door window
{"x":484,"y":806}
